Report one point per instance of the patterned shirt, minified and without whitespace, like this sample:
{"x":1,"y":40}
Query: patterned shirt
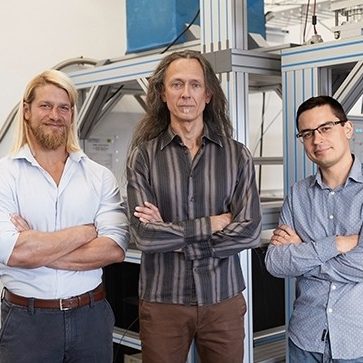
{"x":182,"y":261}
{"x":329,"y":285}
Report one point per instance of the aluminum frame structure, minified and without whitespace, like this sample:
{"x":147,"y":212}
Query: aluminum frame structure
{"x":224,"y":43}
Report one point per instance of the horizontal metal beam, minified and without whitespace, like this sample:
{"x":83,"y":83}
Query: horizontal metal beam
{"x":247,"y":61}
{"x":123,"y":70}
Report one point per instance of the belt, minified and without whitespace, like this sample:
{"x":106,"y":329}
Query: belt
{"x":61,"y":304}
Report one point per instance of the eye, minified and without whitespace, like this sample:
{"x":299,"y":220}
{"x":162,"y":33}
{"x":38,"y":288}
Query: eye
{"x":45,"y":106}
{"x":65,"y":108}
{"x":325,"y":129}
{"x":196,"y":85}
{"x":307,"y":134}
{"x":177,"y":85}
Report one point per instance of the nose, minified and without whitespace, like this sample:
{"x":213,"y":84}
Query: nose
{"x":317,"y":137}
{"x":186,"y":91}
{"x":54,"y":112}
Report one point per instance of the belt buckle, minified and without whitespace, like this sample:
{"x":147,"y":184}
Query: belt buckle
{"x":61,"y":307}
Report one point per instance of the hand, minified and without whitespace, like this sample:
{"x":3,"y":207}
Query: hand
{"x":148,"y":213}
{"x":284,"y":235}
{"x":19,"y":222}
{"x":220,"y":221}
{"x":346,"y":243}
{"x":87,"y":232}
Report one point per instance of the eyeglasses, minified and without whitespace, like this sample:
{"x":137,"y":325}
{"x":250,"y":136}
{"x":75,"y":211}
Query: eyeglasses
{"x":323,"y":130}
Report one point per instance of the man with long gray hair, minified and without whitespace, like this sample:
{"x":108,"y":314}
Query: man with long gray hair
{"x":193,"y":207}
{"x":61,"y":221}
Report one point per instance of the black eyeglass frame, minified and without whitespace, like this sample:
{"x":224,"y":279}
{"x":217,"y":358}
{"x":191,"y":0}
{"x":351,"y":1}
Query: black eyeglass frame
{"x":299,"y":135}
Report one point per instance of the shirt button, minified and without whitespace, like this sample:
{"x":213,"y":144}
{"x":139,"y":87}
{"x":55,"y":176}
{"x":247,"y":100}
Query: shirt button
{"x":332,"y":193}
{"x":330,"y":310}
{"x":333,"y":287}
{"x":331,"y":216}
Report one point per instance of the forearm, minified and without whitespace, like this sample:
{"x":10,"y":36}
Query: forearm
{"x":296,"y":259}
{"x":344,"y":268}
{"x":35,"y":249}
{"x":98,"y":253}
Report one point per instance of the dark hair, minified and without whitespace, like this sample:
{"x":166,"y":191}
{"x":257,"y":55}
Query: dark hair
{"x":157,"y":117}
{"x":319,"y":101}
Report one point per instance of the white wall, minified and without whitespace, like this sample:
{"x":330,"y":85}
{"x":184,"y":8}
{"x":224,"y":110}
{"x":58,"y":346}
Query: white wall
{"x":38,"y":34}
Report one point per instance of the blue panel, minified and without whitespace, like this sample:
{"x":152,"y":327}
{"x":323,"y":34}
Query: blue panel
{"x":157,"y":23}
{"x":256,"y":17}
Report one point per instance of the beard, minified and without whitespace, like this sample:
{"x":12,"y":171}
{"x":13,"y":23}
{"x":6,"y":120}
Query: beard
{"x":49,"y":139}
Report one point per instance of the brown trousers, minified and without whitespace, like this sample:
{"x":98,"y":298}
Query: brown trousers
{"x":167,"y":330}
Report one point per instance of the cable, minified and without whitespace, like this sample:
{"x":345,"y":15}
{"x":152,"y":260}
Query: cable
{"x":314,"y":18}
{"x":261,"y":140}
{"x":266,"y":129}
{"x":121,"y":339}
{"x":177,"y":38}
{"x":306,"y":20}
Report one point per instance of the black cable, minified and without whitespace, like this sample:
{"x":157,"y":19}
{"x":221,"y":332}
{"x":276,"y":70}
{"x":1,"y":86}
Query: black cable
{"x":261,"y":140}
{"x":306,"y":20}
{"x":121,"y":339}
{"x":314,"y":18}
{"x":177,"y":38}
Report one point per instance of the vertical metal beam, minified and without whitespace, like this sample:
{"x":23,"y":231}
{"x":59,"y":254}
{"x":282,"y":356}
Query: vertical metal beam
{"x":224,"y":26}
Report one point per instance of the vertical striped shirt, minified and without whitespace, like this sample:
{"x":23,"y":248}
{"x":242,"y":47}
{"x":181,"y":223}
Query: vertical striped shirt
{"x":182,"y":261}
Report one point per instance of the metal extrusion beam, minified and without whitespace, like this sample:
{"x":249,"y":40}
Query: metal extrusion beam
{"x":127,"y":69}
{"x":352,"y":88}
{"x":247,"y":61}
{"x":91,"y":109}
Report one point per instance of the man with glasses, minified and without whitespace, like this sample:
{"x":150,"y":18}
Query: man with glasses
{"x":318,"y":241}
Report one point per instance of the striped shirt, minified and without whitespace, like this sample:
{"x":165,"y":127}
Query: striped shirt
{"x":182,"y":261}
{"x":329,"y":285}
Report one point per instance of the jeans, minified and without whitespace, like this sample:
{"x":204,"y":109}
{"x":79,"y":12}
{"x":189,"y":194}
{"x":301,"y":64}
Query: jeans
{"x":32,"y":335}
{"x":298,"y":355}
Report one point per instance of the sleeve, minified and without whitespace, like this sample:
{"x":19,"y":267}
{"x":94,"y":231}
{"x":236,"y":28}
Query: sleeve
{"x":344,"y":268}
{"x":111,"y":218}
{"x":8,"y":205}
{"x":164,"y":236}
{"x":245,"y":229}
{"x":294,"y":260}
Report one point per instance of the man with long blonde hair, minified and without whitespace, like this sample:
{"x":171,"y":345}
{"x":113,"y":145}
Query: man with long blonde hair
{"x":61,"y":221}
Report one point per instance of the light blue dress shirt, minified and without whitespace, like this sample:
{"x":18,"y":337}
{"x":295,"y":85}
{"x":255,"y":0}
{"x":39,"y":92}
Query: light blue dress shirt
{"x":329,"y":285}
{"x":87,"y":193}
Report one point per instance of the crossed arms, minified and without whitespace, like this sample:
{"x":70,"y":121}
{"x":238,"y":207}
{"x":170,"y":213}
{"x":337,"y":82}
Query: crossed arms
{"x":74,"y":248}
{"x":332,"y":258}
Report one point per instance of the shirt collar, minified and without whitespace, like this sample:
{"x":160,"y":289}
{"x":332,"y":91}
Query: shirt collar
{"x":25,"y":153}
{"x":169,"y":135}
{"x":354,"y":174}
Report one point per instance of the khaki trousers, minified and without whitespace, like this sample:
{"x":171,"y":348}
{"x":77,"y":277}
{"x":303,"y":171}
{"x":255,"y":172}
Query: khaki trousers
{"x":167,"y":330}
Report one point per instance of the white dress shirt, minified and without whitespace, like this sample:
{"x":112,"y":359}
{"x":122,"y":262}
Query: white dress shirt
{"x":87,"y":194}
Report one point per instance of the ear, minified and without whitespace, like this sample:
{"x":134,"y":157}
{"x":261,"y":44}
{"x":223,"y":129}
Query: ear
{"x":162,"y":94}
{"x":208,"y":96}
{"x":26,"y":111}
{"x":348,"y":127}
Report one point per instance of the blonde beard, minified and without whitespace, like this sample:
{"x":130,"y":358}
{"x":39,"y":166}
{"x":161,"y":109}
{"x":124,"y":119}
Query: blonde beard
{"x":49,"y":141}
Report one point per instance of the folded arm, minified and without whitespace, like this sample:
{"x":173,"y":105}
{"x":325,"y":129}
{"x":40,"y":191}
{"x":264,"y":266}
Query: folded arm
{"x":219,"y":235}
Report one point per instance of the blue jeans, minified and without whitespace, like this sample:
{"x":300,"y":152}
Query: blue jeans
{"x":298,"y":355}
{"x":81,"y":335}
